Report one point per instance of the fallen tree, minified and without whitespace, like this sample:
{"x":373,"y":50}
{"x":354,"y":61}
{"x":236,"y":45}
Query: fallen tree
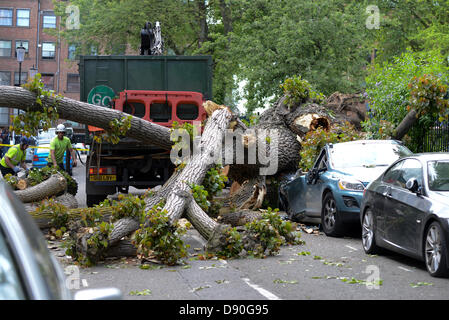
{"x":269,"y":149}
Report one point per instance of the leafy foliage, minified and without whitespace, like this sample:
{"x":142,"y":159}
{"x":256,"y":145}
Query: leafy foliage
{"x":273,"y":42}
{"x":158,"y":238}
{"x":233,"y":244}
{"x":388,"y":91}
{"x":271,"y":232}
{"x":117,"y":129}
{"x":37,"y":175}
{"x":314,"y":141}
{"x":28,"y":123}
{"x":429,"y":95}
{"x":297,"y":90}
{"x":204,"y":194}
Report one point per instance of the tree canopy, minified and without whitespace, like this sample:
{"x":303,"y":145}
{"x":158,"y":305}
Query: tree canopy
{"x":260,"y":43}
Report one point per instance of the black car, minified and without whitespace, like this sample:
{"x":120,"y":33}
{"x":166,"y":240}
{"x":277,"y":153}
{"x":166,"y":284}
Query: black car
{"x":406,"y":210}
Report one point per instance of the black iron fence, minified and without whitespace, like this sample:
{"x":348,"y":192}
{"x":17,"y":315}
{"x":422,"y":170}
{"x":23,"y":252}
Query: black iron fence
{"x":435,"y":138}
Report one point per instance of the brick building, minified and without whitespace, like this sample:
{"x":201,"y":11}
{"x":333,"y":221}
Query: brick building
{"x":26,"y":23}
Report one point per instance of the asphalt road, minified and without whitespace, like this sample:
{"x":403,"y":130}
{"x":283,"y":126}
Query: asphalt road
{"x":322,"y":268}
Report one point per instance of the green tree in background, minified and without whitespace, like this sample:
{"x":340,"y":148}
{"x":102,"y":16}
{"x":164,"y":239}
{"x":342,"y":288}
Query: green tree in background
{"x":325,"y":42}
{"x":389,"y":95}
{"x":418,"y":25}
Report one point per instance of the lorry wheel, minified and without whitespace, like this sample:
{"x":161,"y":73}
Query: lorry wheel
{"x":93,"y":199}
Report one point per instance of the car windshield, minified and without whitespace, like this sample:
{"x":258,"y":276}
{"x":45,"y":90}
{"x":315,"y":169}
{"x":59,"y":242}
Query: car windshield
{"x":46,"y":136}
{"x":348,"y":155}
{"x":438,"y":175}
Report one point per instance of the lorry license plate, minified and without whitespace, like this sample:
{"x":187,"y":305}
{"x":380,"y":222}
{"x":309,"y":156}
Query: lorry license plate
{"x":104,"y":177}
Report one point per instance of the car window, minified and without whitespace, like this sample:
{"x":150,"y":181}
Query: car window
{"x":10,"y":284}
{"x":348,"y":155}
{"x":411,"y":168}
{"x":320,"y":162}
{"x":391,"y":175}
{"x":438,"y":175}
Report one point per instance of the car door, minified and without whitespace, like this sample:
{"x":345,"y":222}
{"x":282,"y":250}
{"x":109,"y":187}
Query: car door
{"x":315,"y":186}
{"x":402,"y":215}
{"x":381,"y":200}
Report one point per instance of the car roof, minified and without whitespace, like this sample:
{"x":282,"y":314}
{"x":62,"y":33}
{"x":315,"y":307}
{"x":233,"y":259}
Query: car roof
{"x":368,"y":142}
{"x":431,"y":156}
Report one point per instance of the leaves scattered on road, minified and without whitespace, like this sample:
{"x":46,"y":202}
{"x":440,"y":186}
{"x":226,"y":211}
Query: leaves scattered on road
{"x":145,"y":292}
{"x":420,"y":284}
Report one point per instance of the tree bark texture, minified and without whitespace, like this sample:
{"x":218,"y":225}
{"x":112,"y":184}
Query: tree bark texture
{"x":196,"y":169}
{"x":405,"y":125}
{"x":82,"y":112}
{"x":48,"y":188}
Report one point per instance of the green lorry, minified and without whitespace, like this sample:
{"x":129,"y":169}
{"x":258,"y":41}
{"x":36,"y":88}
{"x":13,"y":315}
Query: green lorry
{"x":160,"y":89}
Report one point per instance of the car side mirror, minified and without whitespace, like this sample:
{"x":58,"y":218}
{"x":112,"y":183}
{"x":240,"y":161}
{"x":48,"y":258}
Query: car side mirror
{"x":413,"y":186}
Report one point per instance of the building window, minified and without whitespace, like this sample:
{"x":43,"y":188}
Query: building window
{"x":5,"y":48}
{"x":5,"y":17}
{"x":73,"y":82}
{"x":49,"y":21}
{"x":5,"y":78}
{"x":23,"y":17}
{"x":49,"y":80}
{"x":22,"y":80}
{"x":48,"y":50}
{"x":72,"y":52}
{"x":24,"y":44}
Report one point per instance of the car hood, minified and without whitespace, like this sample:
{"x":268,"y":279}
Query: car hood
{"x":365,"y":175}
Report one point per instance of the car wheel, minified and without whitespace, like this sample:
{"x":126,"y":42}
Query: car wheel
{"x":435,"y":251}
{"x":332,"y":225}
{"x":368,"y":233}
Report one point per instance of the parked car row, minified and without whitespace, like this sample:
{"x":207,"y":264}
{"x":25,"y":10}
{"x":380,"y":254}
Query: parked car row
{"x":401,"y":199}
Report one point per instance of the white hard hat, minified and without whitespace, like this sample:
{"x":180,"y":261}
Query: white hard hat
{"x":60,"y":128}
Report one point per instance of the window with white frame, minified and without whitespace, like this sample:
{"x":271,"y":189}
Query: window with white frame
{"x":5,"y":17}
{"x":23,"y":17}
{"x":49,"y":20}
{"x":5,"y":48}
{"x":48,"y":50}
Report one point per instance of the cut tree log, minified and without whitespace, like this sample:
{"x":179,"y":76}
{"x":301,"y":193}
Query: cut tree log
{"x":67,"y":200}
{"x":48,"y":188}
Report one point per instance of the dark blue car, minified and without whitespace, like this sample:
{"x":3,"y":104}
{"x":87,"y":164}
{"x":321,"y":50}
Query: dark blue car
{"x":331,"y":192}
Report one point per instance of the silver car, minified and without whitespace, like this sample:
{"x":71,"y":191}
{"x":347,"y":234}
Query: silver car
{"x":27,"y":269}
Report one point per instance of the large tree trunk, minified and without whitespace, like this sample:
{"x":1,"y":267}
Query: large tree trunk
{"x":69,"y":109}
{"x":48,"y":188}
{"x":405,"y":125}
{"x":196,"y":169}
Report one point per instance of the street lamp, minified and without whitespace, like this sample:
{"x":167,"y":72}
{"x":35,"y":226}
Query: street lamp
{"x":20,"y":57}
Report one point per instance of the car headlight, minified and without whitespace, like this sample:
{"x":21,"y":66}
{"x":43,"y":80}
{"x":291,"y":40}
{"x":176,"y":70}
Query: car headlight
{"x":351,"y":185}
